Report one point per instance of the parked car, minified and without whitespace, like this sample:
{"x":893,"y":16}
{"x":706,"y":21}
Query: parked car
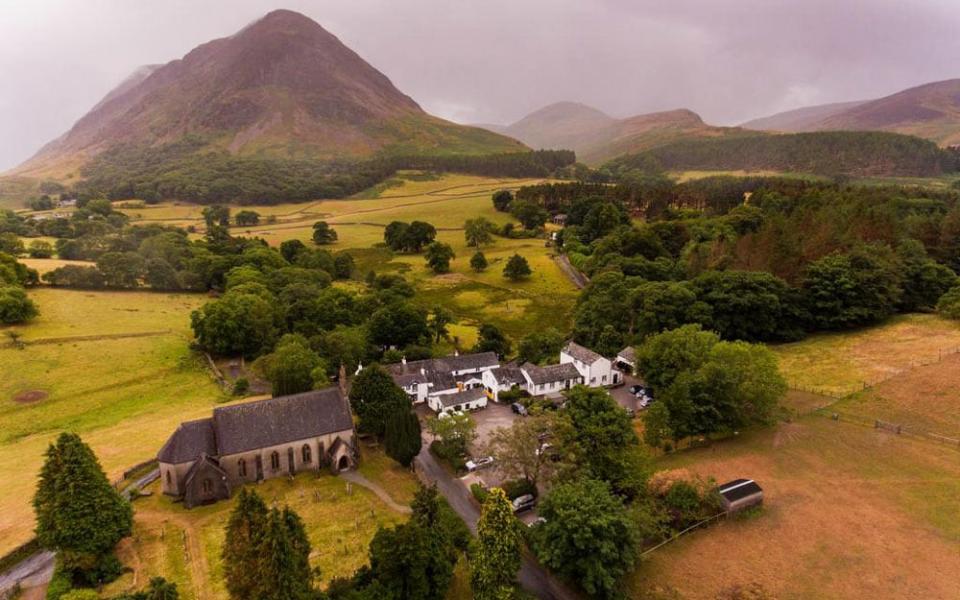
{"x":544,"y":447}
{"x":524,"y":503}
{"x":537,"y":521}
{"x":519,"y":409}
{"x":475,"y":464}
{"x":637,"y":389}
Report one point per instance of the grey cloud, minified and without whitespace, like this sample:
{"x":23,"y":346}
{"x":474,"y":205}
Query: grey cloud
{"x":495,"y":60}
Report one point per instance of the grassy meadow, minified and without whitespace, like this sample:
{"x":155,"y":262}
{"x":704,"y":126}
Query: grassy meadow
{"x":184,"y":546}
{"x":446,"y":202}
{"x":112,"y":366}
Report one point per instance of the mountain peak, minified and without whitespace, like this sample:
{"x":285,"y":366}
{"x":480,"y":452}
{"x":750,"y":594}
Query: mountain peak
{"x":282,"y":85}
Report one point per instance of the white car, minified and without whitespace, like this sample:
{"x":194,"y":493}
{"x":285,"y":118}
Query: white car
{"x":475,"y":464}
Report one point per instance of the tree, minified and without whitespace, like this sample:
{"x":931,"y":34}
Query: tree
{"x":454,"y":433}
{"x":539,"y":346}
{"x":240,"y":553}
{"x":239,"y":323}
{"x":79,"y":514}
{"x":160,"y":275}
{"x":587,"y":536}
{"x":744,"y":305}
{"x":948,"y":306}
{"x":924,"y":280}
{"x":491,"y":339}
{"x":343,"y":265}
{"x":15,"y":305}
{"x":478,"y":232}
{"x":530,"y":215}
{"x":439,"y":319}
{"x":418,"y":235}
{"x":292,"y":366}
{"x":402,"y":438}
{"x":158,"y":589}
{"x":496,"y":553}
{"x":855,"y":288}
{"x":502,"y":200}
{"x":517,"y":268}
{"x":395,"y":235}
{"x":706,"y":386}
{"x":216,"y":214}
{"x":246,"y":218}
{"x":663,"y":357}
{"x":478,"y":262}
{"x":10,"y":244}
{"x":398,"y":324}
{"x":439,"y":256}
{"x":519,"y":448}
{"x":323,"y":234}
{"x":289,"y":249}
{"x":374,"y":397}
{"x":600,"y":434}
{"x":40,"y":249}
{"x":121,"y":269}
{"x":284,"y":564}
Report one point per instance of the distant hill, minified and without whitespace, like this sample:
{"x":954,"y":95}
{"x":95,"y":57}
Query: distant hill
{"x":281,"y":87}
{"x":854,"y":153}
{"x":597,"y":137}
{"x":930,"y":111}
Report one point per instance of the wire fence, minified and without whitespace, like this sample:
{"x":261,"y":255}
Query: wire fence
{"x":679,"y":534}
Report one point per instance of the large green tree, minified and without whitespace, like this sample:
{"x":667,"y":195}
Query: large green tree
{"x":587,"y":536}
{"x":78,"y":513}
{"x":478,"y":232}
{"x":293,"y":367}
{"x":517,"y":268}
{"x":15,"y":305}
{"x":495,"y":558}
{"x":491,"y":339}
{"x":241,"y":553}
{"x":323,"y":234}
{"x":243,"y":322}
{"x":402,"y":439}
{"x":375,"y":397}
{"x":438,"y":257}
{"x":949,"y":304}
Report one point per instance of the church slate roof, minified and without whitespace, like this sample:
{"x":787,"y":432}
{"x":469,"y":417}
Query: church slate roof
{"x":190,"y":440}
{"x":280,"y":420}
{"x":584,"y":355}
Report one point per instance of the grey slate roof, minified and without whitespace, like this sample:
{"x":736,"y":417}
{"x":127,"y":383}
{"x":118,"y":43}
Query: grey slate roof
{"x":551,"y":373}
{"x":449,"y":400}
{"x":629,"y":354}
{"x":508,"y":375}
{"x":584,"y":355}
{"x":447,"y":364}
{"x":280,"y":420}
{"x":190,"y":440}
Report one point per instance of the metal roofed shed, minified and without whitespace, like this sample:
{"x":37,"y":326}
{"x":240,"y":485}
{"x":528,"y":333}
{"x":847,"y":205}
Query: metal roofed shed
{"x":740,"y":494}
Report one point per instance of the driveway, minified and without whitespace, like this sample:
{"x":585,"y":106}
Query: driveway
{"x":494,"y":416}
{"x":533,"y":577}
{"x":622,"y":393}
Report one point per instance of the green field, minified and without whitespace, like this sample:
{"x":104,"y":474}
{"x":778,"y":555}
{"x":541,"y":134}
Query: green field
{"x":113,"y":366}
{"x":446,"y":202}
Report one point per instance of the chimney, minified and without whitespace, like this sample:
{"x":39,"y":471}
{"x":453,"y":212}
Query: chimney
{"x":456,"y":352}
{"x":343,"y":379}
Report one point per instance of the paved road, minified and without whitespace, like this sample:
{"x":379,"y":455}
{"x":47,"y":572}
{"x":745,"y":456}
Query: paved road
{"x":35,"y":570}
{"x":358,"y":479}
{"x":533,"y":577}
{"x":579,"y":279}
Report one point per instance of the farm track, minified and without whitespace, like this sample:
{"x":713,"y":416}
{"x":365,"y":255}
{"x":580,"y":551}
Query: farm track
{"x":89,"y":338}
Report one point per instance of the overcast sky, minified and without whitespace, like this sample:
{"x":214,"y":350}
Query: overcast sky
{"x":493,"y":61}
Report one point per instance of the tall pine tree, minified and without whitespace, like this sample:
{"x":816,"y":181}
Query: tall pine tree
{"x":496,"y":555}
{"x":402,"y":437}
{"x":240,"y":550}
{"x":79,"y":514}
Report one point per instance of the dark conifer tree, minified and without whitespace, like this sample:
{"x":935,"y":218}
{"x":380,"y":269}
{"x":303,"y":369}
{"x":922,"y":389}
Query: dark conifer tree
{"x":240,"y":554}
{"x":402,"y":437}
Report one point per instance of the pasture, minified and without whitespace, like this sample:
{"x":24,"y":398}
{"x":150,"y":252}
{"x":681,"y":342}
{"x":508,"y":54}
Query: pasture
{"x":850,"y":512}
{"x":112,"y":366}
{"x":840,"y":363}
{"x":184,"y":546}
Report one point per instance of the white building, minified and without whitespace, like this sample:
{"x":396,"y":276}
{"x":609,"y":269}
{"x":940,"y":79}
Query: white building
{"x":502,"y":379}
{"x":596,"y":370}
{"x":627,"y":359}
{"x":472,"y":399}
{"x":550,"y":380}
{"x":425,"y":379}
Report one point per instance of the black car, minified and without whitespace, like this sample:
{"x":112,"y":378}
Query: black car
{"x":637,"y":389}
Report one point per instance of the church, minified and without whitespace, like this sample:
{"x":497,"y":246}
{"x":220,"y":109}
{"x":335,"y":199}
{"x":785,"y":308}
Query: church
{"x":205,"y":460}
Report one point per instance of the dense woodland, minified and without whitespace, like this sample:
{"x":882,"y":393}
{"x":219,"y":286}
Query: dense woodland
{"x":183,"y":170}
{"x":855,"y":153}
{"x":759,"y":259}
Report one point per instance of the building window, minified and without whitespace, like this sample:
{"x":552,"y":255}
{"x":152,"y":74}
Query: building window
{"x":307,"y":455}
{"x":603,"y":379}
{"x":207,"y":486}
{"x":593,"y":380}
{"x":168,"y":477}
{"x":242,"y":467}
{"x":275,"y":461}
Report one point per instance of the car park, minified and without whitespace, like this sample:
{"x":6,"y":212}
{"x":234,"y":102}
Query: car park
{"x":475,"y":464}
{"x":524,"y":503}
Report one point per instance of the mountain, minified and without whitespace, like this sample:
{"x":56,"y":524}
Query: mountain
{"x":597,"y":137}
{"x":800,"y":119}
{"x":283,"y":87}
{"x":930,"y":111}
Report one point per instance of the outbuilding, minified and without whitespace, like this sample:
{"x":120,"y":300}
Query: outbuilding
{"x":740,"y":494}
